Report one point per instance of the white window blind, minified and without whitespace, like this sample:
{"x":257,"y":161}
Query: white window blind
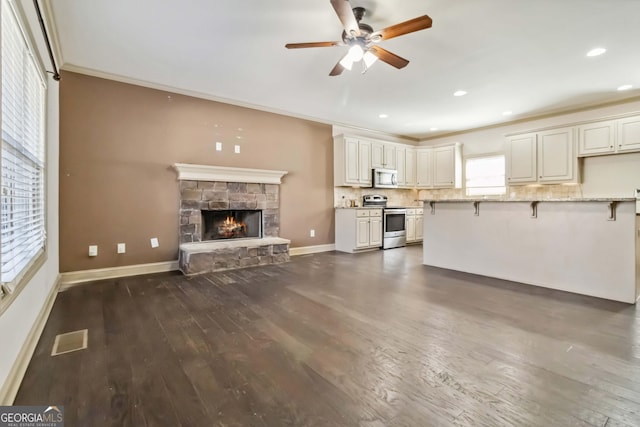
{"x":22,"y":234}
{"x":485,"y":176}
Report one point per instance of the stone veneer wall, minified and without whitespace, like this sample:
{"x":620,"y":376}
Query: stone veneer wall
{"x":207,"y":195}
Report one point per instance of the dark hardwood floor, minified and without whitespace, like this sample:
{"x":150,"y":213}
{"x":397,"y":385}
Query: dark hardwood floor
{"x":332,"y":339}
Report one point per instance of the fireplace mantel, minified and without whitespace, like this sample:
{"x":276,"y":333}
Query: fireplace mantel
{"x":227,"y":174}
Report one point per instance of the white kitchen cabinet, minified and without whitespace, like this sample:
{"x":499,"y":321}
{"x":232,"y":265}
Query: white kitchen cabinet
{"x":609,"y":137}
{"x":401,"y":165}
{"x":364,"y":165}
{"x":447,"y":166}
{"x":544,"y":157}
{"x":390,"y":160}
{"x":629,"y":134}
{"x":521,"y":159}
{"x":556,"y":158}
{"x":358,"y":229}
{"x":377,"y":154}
{"x":597,"y":138}
{"x":413,"y":224}
{"x":406,"y":166}
{"x":351,"y":161}
{"x":410,"y":167}
{"x":424,"y":167}
{"x":383,"y":155}
{"x":375,"y":229}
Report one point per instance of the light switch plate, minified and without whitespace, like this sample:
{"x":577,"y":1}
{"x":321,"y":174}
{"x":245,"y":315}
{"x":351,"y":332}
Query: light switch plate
{"x":122,"y":248}
{"x":154,"y":242}
{"x":93,"y":250}
{"x":218,"y":146}
{"x":237,"y":149}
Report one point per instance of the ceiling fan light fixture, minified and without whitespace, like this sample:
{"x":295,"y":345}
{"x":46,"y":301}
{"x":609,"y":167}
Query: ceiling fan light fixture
{"x":356,"y":53}
{"x":347,"y":62}
{"x":369,"y":58}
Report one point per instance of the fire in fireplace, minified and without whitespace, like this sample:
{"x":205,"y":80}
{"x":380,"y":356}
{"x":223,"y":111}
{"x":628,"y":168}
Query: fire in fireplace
{"x":231,"y":224}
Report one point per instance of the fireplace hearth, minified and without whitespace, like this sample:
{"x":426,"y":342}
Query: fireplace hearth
{"x":231,"y":224}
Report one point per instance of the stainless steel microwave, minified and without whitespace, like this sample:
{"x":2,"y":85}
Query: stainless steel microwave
{"x":385,"y":178}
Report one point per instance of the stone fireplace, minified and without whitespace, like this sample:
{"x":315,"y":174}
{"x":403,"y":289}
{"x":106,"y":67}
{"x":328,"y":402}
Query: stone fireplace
{"x":229,"y":218}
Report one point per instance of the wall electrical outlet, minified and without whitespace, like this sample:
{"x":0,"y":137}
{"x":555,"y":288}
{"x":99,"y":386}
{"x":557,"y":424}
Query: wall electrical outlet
{"x":312,"y":233}
{"x":154,"y":242}
{"x":122,"y":248}
{"x":218,"y":146}
{"x":237,"y":149}
{"x":93,"y":250}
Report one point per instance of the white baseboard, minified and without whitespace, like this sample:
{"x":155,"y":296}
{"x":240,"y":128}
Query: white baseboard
{"x":304,"y":250}
{"x":10,"y":388}
{"x":73,"y":278}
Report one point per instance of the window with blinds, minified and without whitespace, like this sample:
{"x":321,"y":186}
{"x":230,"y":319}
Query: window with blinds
{"x":22,"y":225}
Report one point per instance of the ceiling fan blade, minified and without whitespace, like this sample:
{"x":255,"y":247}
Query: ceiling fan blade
{"x":345,"y":14}
{"x":337,"y":70}
{"x":388,"y":57}
{"x":416,"y":24}
{"x":313,"y":44}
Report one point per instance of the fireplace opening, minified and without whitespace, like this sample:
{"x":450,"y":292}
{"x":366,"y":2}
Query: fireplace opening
{"x":231,"y":224}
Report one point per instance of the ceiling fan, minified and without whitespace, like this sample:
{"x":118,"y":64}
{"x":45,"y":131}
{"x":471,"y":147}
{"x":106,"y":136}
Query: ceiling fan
{"x":362,"y":40}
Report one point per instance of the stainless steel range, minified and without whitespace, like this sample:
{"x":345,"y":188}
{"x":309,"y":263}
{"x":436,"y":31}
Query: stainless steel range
{"x":394,"y":232}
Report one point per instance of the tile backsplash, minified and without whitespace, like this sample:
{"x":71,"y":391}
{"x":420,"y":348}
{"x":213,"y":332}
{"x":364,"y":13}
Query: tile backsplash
{"x":402,"y":197}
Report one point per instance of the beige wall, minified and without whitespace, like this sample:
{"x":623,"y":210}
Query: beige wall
{"x":117,"y":145}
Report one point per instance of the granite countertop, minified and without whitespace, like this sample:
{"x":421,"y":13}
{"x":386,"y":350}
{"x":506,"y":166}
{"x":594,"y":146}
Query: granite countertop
{"x":584,"y":199}
{"x":380,"y":207}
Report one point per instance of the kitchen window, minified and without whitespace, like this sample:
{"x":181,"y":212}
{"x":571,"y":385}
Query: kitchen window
{"x":485,"y":176}
{"x":22,"y":158}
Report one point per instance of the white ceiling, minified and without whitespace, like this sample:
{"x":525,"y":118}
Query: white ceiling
{"x":525,"y":56}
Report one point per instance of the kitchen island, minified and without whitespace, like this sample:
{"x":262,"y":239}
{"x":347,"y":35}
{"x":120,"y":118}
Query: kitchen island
{"x":586,"y":246}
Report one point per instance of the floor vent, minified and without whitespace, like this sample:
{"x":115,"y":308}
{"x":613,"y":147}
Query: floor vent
{"x":71,"y":341}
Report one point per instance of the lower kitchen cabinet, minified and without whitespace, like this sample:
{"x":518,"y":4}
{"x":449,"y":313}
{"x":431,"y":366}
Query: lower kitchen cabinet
{"x":414,"y":225}
{"x":358,"y":229}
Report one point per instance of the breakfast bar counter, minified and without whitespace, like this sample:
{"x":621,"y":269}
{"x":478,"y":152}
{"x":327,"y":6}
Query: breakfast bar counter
{"x":588,"y":246}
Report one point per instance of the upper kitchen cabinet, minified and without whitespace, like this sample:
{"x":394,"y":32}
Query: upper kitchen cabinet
{"x":609,"y":137}
{"x":406,"y":166}
{"x":439,"y":167}
{"x":447,"y":166}
{"x":597,"y":138}
{"x":543,"y":157}
{"x":629,"y":134}
{"x":556,"y":158}
{"x":521,"y":159}
{"x":383,"y":155}
{"x":351,"y":161}
{"x":424,"y":168}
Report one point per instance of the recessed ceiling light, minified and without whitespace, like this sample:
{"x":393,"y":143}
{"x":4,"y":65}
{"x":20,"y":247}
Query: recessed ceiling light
{"x":597,"y":51}
{"x":433,"y":129}
{"x":507,"y":113}
{"x":459,"y":93}
{"x":625,"y":87}
{"x":383,"y":116}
